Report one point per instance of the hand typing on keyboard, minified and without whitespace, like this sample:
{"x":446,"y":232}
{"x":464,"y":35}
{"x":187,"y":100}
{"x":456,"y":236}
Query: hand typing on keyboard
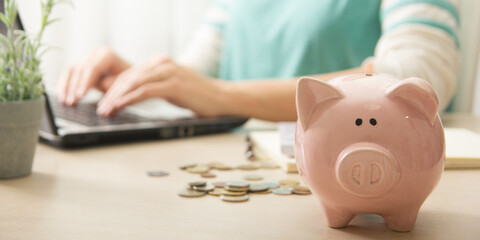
{"x":159,"y":77}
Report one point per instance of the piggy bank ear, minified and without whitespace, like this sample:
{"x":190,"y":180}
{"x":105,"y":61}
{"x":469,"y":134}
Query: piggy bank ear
{"x":311,"y":93}
{"x":418,"y":94}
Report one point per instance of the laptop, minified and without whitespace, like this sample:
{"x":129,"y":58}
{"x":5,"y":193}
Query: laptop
{"x":80,"y":126}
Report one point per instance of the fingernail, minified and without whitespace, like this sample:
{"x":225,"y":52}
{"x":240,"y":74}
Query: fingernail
{"x":70,"y":100}
{"x":100,"y":109}
{"x":79,"y":93}
{"x":61,"y":98}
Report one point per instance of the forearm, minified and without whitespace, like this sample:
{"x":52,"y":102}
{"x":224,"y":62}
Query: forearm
{"x":267,"y":99}
{"x":419,"y":40}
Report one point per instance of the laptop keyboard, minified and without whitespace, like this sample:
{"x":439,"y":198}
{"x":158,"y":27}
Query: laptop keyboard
{"x":85,"y":114}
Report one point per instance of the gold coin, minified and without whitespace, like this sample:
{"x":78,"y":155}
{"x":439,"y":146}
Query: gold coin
{"x":252,"y":177}
{"x":184,"y":167}
{"x":213,"y":164}
{"x":301,"y":188}
{"x":288,"y":182}
{"x":224,"y":168}
{"x":301,"y":192}
{"x":236,"y":189}
{"x":234,"y":198}
{"x":220,"y":166}
{"x":231,"y":193}
{"x":198,"y":169}
{"x":217,"y":191}
{"x":268,"y":165}
{"x":263,"y":192}
{"x":208,"y":175}
{"x":247,"y":167}
{"x":191,"y":193}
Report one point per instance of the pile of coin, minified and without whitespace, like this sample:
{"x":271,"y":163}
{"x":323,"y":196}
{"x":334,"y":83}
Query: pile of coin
{"x":237,"y":191}
{"x":204,"y":169}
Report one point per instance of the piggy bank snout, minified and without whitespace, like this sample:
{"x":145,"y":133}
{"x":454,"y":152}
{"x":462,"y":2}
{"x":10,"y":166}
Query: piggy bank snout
{"x":366,"y":170}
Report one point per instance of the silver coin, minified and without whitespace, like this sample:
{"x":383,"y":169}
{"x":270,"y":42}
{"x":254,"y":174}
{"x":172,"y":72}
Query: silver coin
{"x":219,"y":184}
{"x":260,"y":187}
{"x":272,"y":185}
{"x":191,"y":193}
{"x":238,"y":184}
{"x":157,"y":173}
{"x":252,"y":177}
{"x":234,"y":198}
{"x":206,"y":188}
{"x":282,"y":191}
{"x":197,"y":184}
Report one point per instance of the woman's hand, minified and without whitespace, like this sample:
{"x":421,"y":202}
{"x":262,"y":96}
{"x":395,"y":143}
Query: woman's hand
{"x":161,"y":77}
{"x":98,"y":70}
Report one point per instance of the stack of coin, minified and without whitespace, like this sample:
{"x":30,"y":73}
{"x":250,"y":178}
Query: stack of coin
{"x":237,"y":191}
{"x":237,"y":186}
{"x":301,"y":190}
{"x":288,"y":183}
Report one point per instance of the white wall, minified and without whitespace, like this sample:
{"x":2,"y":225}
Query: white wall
{"x":142,"y":28}
{"x":464,"y":100}
{"x":476,"y":101}
{"x":136,"y":29}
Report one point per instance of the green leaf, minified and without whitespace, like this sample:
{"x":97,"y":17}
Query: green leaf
{"x":52,"y":21}
{"x":5,"y":19}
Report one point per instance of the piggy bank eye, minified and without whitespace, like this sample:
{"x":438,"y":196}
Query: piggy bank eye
{"x":373,"y":121}
{"x":358,"y":122}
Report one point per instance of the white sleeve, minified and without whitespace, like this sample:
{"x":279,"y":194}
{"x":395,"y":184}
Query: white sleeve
{"x":204,"y":50}
{"x":419,"y":39}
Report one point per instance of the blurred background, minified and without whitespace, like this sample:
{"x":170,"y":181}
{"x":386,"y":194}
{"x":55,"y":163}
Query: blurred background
{"x":139,"y":29}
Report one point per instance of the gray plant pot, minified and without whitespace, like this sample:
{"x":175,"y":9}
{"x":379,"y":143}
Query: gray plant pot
{"x":19,"y":125}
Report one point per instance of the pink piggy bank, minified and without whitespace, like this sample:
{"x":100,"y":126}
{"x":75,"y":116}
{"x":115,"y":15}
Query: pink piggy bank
{"x":369,"y":144}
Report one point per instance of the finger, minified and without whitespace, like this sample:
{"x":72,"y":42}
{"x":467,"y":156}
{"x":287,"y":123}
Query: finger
{"x":158,"y":69}
{"x":87,"y":79}
{"x":112,"y":91}
{"x":63,"y":84}
{"x":150,"y":90}
{"x":97,"y":65}
{"x":106,"y":83}
{"x":139,"y":76}
{"x":72,"y":85}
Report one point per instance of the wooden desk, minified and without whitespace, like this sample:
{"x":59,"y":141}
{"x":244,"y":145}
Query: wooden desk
{"x":104,"y":193}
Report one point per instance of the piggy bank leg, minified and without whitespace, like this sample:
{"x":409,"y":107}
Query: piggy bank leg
{"x":402,"y":221}
{"x":337,"y":218}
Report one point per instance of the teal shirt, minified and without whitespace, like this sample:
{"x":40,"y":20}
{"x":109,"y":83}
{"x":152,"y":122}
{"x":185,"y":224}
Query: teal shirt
{"x":288,"y":38}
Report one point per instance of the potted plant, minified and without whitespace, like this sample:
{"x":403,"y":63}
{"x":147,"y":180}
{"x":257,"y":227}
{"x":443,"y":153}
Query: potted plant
{"x":21,"y":91}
